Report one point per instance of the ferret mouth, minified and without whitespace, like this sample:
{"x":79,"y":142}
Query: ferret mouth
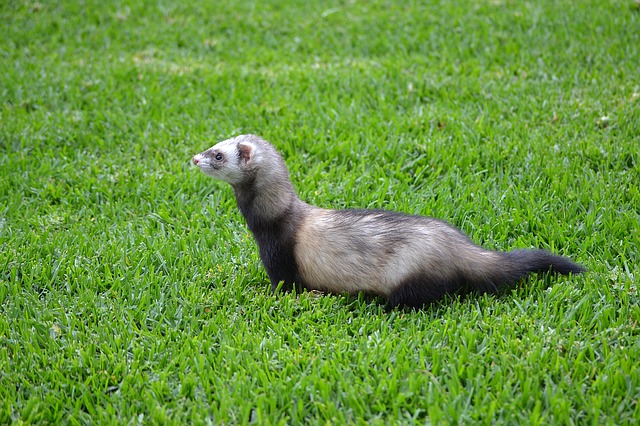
{"x":200,"y":161}
{"x":204,"y":165}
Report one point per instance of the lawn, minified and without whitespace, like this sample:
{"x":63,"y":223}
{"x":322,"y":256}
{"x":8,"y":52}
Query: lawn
{"x":131,"y":291}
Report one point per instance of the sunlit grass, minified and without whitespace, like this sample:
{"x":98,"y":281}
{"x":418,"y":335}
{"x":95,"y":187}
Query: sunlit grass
{"x":132,"y":292}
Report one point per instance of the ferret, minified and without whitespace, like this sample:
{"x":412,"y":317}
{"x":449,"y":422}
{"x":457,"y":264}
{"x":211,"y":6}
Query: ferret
{"x":410,"y":260}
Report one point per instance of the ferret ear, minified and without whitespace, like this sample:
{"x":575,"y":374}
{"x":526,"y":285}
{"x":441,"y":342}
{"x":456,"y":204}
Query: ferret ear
{"x":246,"y":151}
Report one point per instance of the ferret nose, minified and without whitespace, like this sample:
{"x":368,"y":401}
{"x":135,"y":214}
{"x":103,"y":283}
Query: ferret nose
{"x":195,"y":161}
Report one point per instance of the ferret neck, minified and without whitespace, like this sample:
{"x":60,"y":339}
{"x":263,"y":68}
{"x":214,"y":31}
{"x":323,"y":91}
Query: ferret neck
{"x":263,"y":205}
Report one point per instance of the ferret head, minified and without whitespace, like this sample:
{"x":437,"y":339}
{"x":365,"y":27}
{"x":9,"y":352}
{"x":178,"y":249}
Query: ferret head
{"x":234,"y":160}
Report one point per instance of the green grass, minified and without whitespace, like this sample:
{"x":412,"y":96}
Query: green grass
{"x":132,"y":293}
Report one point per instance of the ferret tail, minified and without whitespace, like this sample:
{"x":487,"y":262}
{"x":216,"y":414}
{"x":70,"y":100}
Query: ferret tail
{"x":509,"y":267}
{"x":527,"y":261}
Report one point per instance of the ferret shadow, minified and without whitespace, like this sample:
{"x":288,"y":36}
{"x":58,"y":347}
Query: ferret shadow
{"x":374,"y":304}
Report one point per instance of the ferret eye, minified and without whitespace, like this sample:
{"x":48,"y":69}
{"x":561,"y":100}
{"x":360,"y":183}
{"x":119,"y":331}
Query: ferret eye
{"x":218,"y":156}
